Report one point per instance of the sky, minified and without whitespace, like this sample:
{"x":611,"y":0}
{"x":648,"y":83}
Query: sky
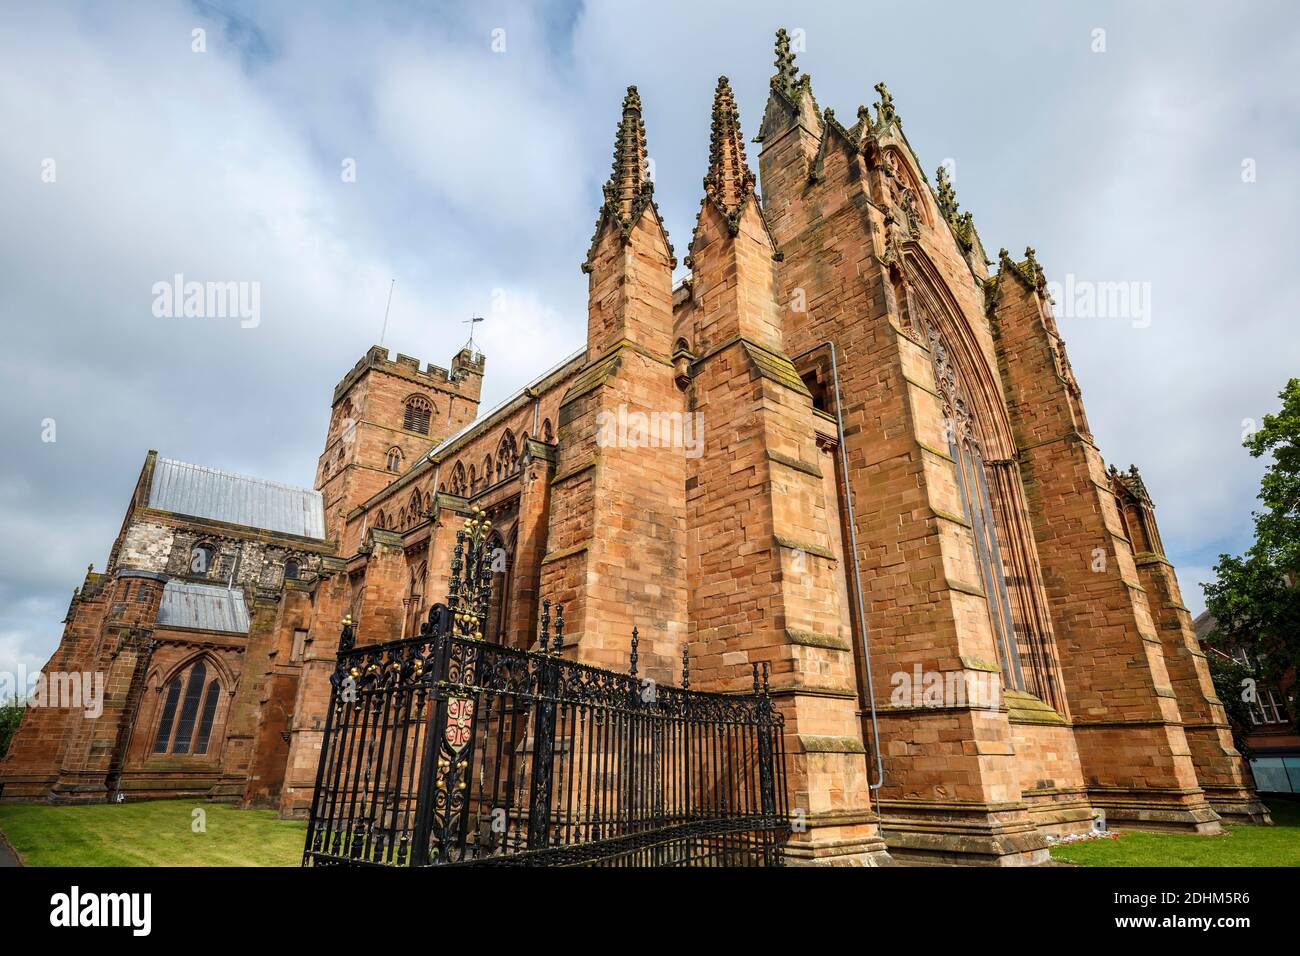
{"x":320,"y":150}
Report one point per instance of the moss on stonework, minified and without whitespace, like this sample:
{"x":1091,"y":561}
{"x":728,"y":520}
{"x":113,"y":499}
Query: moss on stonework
{"x":777,"y":368}
{"x":795,"y":463}
{"x":806,"y":548}
{"x":1025,"y":708}
{"x":814,"y":639}
{"x":592,"y":377}
{"x":817,"y":744}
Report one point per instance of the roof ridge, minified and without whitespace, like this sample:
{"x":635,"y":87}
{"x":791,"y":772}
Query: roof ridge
{"x":482,"y":420}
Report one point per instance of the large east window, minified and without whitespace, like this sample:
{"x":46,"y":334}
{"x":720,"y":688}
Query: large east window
{"x":977,"y":509}
{"x":972,"y":481}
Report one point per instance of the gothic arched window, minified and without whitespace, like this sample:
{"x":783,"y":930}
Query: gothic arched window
{"x":417,"y":415}
{"x":548,"y":435}
{"x":458,"y":483}
{"x":394,"y":462}
{"x":291,"y":570}
{"x":189,"y":708}
{"x":972,"y":485}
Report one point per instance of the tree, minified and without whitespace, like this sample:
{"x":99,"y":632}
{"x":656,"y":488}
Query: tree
{"x":11,"y":712}
{"x":1255,"y":602}
{"x":1231,"y":678}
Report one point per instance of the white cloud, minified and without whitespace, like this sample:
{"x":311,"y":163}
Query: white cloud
{"x":480,"y":171}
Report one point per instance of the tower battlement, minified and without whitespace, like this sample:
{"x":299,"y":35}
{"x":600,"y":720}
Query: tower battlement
{"x":464,"y":378}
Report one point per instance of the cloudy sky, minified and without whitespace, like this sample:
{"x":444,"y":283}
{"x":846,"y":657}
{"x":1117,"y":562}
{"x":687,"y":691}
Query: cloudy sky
{"x":1162,"y":152}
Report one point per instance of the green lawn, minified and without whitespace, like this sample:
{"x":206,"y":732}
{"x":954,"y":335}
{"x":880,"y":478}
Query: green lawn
{"x":151,"y":833}
{"x":159,"y":833}
{"x":1278,"y":845}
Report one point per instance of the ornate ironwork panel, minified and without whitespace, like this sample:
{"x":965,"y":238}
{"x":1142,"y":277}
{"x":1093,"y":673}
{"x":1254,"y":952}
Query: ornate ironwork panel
{"x":445,"y":749}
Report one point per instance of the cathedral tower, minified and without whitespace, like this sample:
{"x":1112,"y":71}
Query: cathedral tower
{"x":385,"y":414}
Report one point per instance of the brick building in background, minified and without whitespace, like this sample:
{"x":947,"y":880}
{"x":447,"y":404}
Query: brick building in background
{"x":881,"y":482}
{"x":1273,"y":740}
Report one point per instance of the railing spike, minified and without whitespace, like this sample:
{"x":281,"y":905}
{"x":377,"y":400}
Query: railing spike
{"x":632,"y":671}
{"x":546,"y":625}
{"x":754,"y":666}
{"x":559,"y":629}
{"x":765,"y":688}
{"x":686,"y":666}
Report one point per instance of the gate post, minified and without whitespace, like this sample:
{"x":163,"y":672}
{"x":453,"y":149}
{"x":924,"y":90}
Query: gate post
{"x":432,"y":746}
{"x":766,"y":775}
{"x":548,"y":678}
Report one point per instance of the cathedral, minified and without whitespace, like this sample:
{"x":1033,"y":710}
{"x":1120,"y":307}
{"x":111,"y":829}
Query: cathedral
{"x":848,"y":446}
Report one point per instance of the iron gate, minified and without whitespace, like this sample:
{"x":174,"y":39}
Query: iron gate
{"x":446,"y":749}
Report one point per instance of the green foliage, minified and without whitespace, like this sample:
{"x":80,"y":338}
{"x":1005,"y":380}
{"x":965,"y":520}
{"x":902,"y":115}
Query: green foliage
{"x":1255,"y":600}
{"x":11,"y":712}
{"x":1231,"y":679}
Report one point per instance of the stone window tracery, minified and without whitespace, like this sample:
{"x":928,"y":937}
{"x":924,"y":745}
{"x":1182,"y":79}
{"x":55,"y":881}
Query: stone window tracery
{"x":189,"y":710}
{"x":965,"y":446}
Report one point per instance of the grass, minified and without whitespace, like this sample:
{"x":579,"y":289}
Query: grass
{"x":150,"y":833}
{"x":1278,"y":845}
{"x":159,"y":833}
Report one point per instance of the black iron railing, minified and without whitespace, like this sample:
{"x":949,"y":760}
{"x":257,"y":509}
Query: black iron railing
{"x":446,"y":749}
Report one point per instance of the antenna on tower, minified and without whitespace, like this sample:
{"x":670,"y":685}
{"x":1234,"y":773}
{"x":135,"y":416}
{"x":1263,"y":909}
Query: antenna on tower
{"x":384,"y":331}
{"x":471,"y":322}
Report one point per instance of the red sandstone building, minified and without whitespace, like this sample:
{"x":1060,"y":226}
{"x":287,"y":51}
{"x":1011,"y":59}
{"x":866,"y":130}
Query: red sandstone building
{"x":894,"y":491}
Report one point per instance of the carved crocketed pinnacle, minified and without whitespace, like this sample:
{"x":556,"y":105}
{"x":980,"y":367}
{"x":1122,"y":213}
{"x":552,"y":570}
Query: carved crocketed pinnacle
{"x":630,"y":190}
{"x":1136,"y":484}
{"x":948,"y":205}
{"x":1033,"y":271}
{"x":628,"y":183}
{"x":787,"y":75}
{"x":885,"y":112}
{"x":729,"y":181}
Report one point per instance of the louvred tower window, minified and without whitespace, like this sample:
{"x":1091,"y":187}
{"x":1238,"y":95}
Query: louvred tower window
{"x":418,"y":413}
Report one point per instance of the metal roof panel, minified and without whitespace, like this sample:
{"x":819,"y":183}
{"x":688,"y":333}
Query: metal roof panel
{"x":202,"y":492}
{"x":203,"y":607}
